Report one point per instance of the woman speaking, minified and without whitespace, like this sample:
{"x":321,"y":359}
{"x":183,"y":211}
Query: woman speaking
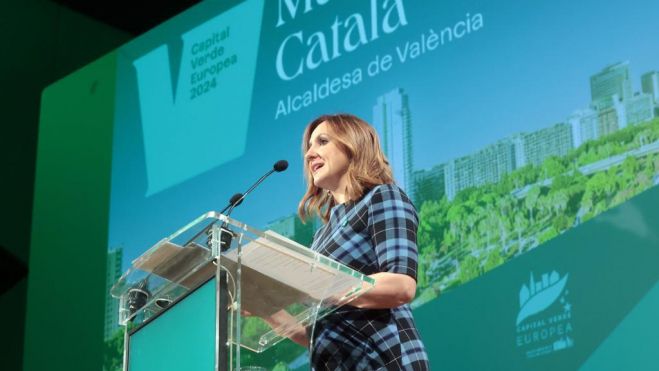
{"x":370,"y":225}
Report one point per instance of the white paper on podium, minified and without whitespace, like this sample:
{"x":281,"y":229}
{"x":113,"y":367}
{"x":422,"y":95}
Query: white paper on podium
{"x":299,"y":271}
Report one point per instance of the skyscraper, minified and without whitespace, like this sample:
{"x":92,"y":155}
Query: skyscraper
{"x":391,"y":118}
{"x":639,"y":108}
{"x":611,"y":118}
{"x":538,"y":145}
{"x":610,"y":85}
{"x":650,"y":85}
{"x":486,"y":166}
{"x":584,"y":126}
{"x":112,"y":274}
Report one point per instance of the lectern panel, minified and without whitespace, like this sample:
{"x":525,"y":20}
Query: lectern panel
{"x":182,"y":337}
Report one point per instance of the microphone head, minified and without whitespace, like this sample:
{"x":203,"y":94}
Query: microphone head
{"x":236,"y":198}
{"x":280,"y":165}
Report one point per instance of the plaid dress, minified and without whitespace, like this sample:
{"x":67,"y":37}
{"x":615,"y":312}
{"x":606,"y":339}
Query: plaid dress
{"x":374,"y":234}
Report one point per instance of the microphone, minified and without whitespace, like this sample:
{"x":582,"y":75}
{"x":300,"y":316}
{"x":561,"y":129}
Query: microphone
{"x":235,"y":200}
{"x":238,"y":198}
{"x":280,"y":166}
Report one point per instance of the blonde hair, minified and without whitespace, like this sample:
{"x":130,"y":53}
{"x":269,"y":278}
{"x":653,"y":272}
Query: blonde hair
{"x":368,"y":165}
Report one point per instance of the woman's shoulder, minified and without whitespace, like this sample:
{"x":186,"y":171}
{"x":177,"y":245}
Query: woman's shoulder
{"x":389,"y":191}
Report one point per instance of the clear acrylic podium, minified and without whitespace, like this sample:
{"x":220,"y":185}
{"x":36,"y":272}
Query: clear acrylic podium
{"x":199,"y":297}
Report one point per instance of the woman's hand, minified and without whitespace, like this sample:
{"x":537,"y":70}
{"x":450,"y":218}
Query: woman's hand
{"x":292,"y":329}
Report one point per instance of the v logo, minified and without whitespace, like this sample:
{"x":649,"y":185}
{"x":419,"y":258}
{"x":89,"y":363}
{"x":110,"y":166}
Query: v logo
{"x":195,"y":108}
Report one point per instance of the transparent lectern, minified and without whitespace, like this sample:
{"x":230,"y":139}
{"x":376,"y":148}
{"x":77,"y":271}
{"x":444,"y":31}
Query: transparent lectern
{"x":197,"y":298}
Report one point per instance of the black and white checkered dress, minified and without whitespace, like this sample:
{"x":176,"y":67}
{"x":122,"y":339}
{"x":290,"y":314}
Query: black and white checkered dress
{"x":374,"y":234}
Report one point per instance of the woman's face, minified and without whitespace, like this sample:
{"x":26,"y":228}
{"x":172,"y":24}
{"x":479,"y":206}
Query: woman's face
{"x":327,"y":163}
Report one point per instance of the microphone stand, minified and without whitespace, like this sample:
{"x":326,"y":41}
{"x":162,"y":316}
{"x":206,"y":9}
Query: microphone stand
{"x":223,"y":303}
{"x":221,"y":287}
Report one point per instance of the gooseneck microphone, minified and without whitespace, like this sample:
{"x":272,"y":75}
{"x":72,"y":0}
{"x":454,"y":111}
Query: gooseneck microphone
{"x":238,"y":198}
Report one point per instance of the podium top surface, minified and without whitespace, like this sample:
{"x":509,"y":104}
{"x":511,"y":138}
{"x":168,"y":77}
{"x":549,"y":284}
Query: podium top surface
{"x":269,"y":274}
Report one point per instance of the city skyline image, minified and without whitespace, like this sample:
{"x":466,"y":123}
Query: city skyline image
{"x":523,"y":190}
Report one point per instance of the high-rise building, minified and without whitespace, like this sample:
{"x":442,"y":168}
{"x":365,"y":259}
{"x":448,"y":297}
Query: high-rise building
{"x":611,"y":118}
{"x":639,"y":108}
{"x":584,"y":126}
{"x":533,"y":148}
{"x":112,"y":275}
{"x":391,"y":118}
{"x":486,"y":166}
{"x":610,"y":85}
{"x":650,"y":85}
{"x":490,"y":164}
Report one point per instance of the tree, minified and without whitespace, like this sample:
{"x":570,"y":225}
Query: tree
{"x":544,"y":205}
{"x":547,"y":235}
{"x":559,"y":202}
{"x":562,"y":181}
{"x":494,"y":260}
{"x":431,"y":226}
{"x":528,"y":174}
{"x":421,"y":279}
{"x":531,"y":200}
{"x":428,"y":188}
{"x":597,"y":188}
{"x":114,"y":352}
{"x":505,"y":205}
{"x":520,"y":226}
{"x":561,"y":222}
{"x":630,"y":167}
{"x":469,"y":269}
{"x":455,"y":217}
{"x":552,"y":166}
{"x":489,"y":225}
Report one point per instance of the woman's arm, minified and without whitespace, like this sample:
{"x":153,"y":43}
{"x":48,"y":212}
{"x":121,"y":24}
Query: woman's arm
{"x":391,"y":290}
{"x":393,"y":224}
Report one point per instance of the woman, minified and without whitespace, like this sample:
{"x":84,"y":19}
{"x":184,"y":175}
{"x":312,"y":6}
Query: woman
{"x":370,"y":225}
